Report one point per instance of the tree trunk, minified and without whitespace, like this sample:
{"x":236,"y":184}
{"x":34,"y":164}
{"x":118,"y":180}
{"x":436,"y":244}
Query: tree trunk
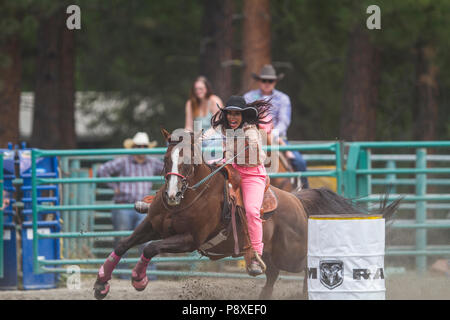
{"x":360,"y":89}
{"x":53,"y":123}
{"x":426,"y":104}
{"x":67,"y":90}
{"x":256,"y":40}
{"x":10,"y":76}
{"x":216,"y":46}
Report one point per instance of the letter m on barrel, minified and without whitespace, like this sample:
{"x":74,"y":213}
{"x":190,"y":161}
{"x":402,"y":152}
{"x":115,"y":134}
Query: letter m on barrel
{"x":312,"y":273}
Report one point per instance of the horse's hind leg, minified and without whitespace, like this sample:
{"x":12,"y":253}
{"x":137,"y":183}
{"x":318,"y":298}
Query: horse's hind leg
{"x":141,"y":234}
{"x":175,"y":244}
{"x":271,"y":276}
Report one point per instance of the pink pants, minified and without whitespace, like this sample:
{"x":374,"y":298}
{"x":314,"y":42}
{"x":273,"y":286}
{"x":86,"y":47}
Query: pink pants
{"x":253,"y":182}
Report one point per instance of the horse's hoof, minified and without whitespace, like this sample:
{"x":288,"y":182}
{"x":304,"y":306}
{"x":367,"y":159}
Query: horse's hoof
{"x":101,"y":290}
{"x":140,"y":285}
{"x":255,"y":273}
{"x":265,"y":295}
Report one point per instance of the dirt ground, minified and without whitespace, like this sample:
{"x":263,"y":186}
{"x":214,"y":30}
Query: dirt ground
{"x":399,"y":287}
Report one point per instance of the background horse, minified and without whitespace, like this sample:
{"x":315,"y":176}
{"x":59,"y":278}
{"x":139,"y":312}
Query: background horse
{"x":183,"y":218}
{"x":286,"y":184}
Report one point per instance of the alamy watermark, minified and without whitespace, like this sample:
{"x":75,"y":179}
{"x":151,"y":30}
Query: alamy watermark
{"x":237,"y":146}
{"x":374,"y":20}
{"x":73,"y":281}
{"x":73,"y":22}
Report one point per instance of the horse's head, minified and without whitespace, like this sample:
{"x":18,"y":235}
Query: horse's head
{"x":179,"y":163}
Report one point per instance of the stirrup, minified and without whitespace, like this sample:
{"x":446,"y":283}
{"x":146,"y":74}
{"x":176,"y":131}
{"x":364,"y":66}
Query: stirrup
{"x":254,"y":269}
{"x":256,"y":266}
{"x":261,"y":262}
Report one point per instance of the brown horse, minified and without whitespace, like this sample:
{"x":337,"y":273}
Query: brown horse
{"x":183,"y":219}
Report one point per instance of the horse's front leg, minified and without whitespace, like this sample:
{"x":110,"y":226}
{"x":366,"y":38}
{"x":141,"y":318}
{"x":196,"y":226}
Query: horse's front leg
{"x":143,"y":233}
{"x":175,"y":244}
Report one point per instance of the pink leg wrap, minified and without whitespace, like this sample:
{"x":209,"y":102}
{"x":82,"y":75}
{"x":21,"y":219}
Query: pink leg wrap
{"x":139,"y":275}
{"x":105,"y":272}
{"x":140,"y":269}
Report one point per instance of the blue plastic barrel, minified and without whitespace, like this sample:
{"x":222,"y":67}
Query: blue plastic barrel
{"x":49,"y":249}
{"x":8,"y":177}
{"x":9,"y":280}
{"x":46,"y":167}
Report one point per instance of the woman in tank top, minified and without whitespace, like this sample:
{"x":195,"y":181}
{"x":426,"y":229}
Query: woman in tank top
{"x":202,"y":105}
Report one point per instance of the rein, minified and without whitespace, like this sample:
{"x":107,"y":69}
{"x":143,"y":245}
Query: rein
{"x":198,"y":184}
{"x":195,"y":186}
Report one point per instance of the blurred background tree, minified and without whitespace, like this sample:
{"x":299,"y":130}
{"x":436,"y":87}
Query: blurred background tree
{"x":344,"y":81}
{"x":144,"y":54}
{"x":54,"y":93}
{"x":324,"y":47}
{"x":11,"y":21}
{"x":256,"y":40}
{"x":216,"y":45}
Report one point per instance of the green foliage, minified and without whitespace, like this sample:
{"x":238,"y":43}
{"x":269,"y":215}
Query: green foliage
{"x":20,"y":18}
{"x":140,"y":51}
{"x":307,"y":35}
{"x":312,"y":37}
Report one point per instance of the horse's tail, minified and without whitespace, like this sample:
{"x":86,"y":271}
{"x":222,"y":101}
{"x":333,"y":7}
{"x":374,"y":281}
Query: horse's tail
{"x":323,"y":201}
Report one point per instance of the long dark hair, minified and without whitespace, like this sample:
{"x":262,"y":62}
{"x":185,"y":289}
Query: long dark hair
{"x":262,"y":106}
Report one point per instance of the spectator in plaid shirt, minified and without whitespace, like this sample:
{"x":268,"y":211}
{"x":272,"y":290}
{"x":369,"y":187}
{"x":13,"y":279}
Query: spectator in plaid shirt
{"x":130,"y":192}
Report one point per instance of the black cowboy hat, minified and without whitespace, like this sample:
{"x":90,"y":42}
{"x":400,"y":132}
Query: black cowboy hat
{"x":268,"y":73}
{"x":237,"y":103}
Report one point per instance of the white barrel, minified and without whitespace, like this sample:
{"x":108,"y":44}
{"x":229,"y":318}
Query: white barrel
{"x":346,"y":258}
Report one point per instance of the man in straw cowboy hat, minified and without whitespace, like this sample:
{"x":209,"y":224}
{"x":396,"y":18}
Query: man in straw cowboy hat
{"x":130,"y":192}
{"x":280,"y":112}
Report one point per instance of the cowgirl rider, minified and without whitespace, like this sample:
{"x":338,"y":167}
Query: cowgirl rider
{"x":234,"y":116}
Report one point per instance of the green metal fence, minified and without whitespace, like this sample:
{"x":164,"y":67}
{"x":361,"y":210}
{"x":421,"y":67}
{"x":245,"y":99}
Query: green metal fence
{"x":354,"y":182}
{"x":1,"y":216}
{"x":336,"y":157}
{"x":71,"y":208}
{"x":359,"y":185}
{"x":74,"y":166}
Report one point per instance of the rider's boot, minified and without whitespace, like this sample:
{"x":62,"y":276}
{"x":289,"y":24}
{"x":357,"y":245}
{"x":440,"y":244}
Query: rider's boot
{"x":255,"y":265}
{"x":254,"y":268}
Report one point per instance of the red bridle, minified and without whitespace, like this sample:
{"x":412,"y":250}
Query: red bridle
{"x":175,"y":174}
{"x":183,"y":181}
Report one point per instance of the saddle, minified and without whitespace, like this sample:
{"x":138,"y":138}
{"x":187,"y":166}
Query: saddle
{"x":270,"y":201}
{"x":233,"y":204}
